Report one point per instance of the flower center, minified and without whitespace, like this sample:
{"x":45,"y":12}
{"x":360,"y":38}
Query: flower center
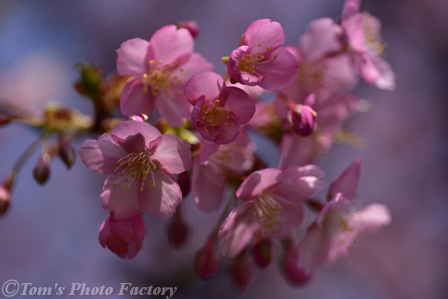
{"x":136,"y":166}
{"x":252,"y":64}
{"x":371,"y":36}
{"x":215,"y":115}
{"x":159,"y":77}
{"x":268,"y":209}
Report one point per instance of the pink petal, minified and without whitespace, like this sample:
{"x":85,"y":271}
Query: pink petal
{"x":168,"y":43}
{"x":314,"y":249}
{"x":208,"y":149}
{"x":121,"y":202}
{"x":335,"y":110}
{"x":263,"y":32}
{"x":347,"y":183}
{"x":321,"y":38}
{"x":173,"y":154}
{"x":195,"y":64}
{"x":350,"y":8}
{"x":101,"y":156}
{"x":293,"y":173}
{"x":207,"y":186}
{"x":126,"y":130}
{"x":207,"y":84}
{"x":296,"y":150}
{"x":386,"y":77}
{"x":240,"y":103}
{"x":257,"y":182}
{"x":160,"y":201}
{"x":174,"y":107}
{"x":371,"y":219}
{"x":280,"y":72}
{"x":134,"y":100}
{"x":131,"y":58}
{"x":298,"y":191}
{"x":237,"y":230}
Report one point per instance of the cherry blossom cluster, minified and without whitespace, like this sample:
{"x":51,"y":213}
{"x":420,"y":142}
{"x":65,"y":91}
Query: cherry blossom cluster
{"x":189,"y":133}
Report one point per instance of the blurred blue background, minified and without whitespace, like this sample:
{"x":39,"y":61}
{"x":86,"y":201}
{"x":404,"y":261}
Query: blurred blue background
{"x":50,"y":234}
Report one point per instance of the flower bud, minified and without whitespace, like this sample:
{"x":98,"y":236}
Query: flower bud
{"x":294,"y":274}
{"x":41,"y":171}
{"x":5,"y":193}
{"x":4,"y":119}
{"x":190,"y":25}
{"x":302,"y":117}
{"x":242,"y":271}
{"x":206,"y":260}
{"x":4,"y":200}
{"x":67,"y":153}
{"x":139,"y":117}
{"x":178,"y":230}
{"x":90,"y":82}
{"x":184,"y":183}
{"x":262,"y":251}
{"x":123,"y":237}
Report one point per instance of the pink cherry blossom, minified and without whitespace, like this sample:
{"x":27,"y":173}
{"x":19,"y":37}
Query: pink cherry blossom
{"x":140,"y":163}
{"x":338,"y":225}
{"x":212,"y":168}
{"x":219,"y":111}
{"x":160,"y":69}
{"x":272,"y":207}
{"x":362,"y":32}
{"x":260,"y":59}
{"x":123,"y":237}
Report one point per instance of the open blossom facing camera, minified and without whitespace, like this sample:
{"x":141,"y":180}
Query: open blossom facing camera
{"x":260,"y":59}
{"x":160,"y":69}
{"x":219,"y":111}
{"x":140,"y":162}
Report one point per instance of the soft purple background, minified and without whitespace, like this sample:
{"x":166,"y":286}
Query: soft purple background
{"x":49,"y":235}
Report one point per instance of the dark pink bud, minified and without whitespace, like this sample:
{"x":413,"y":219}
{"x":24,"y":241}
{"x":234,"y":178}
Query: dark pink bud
{"x":4,"y":119}
{"x":291,"y":269}
{"x":184,"y":183}
{"x":4,"y":200}
{"x":190,"y":25}
{"x":41,"y":171}
{"x":262,"y":251}
{"x":302,"y":117}
{"x":123,"y":237}
{"x":206,"y":260}
{"x":242,"y":271}
{"x":67,"y":153}
{"x":5,"y":193}
{"x":178,"y":230}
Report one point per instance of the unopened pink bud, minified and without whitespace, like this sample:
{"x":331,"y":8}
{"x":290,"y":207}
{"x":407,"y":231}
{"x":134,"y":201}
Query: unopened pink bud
{"x":4,"y":200}
{"x":139,"y":117}
{"x":262,"y":251}
{"x":184,"y":183}
{"x":291,"y":269}
{"x":41,"y":171}
{"x":190,"y":25}
{"x":206,"y":260}
{"x":67,"y":153}
{"x":178,"y":230}
{"x":242,"y":271}
{"x":123,"y":237}
{"x":302,"y":117}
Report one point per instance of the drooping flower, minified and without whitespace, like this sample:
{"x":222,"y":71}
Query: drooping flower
{"x":260,"y":59}
{"x":123,"y":237}
{"x":160,"y":69}
{"x":140,"y":163}
{"x":219,"y":111}
{"x":340,"y":222}
{"x":362,"y":32}
{"x":272,"y":207}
